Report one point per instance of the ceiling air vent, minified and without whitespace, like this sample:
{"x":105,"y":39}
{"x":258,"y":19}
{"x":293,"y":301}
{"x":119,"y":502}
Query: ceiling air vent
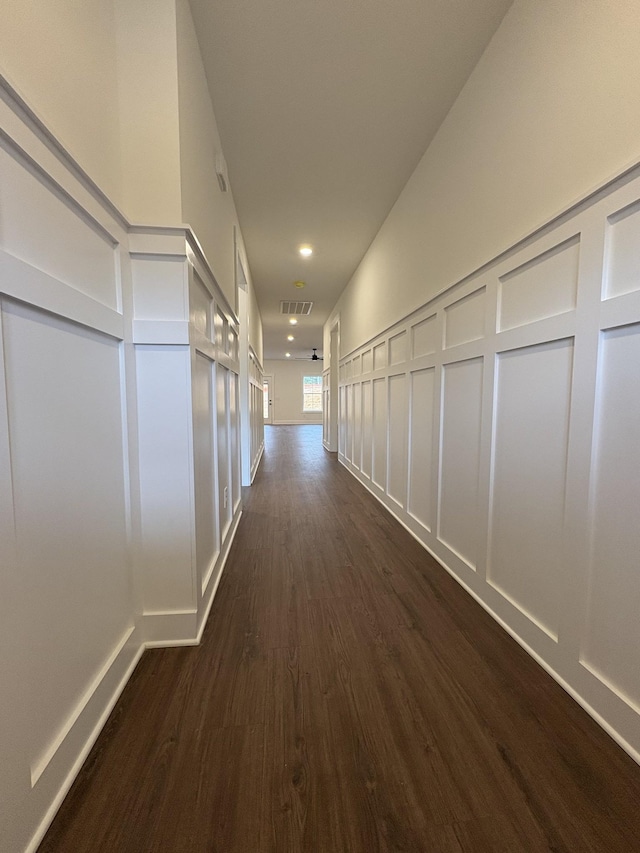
{"x":300,"y":308}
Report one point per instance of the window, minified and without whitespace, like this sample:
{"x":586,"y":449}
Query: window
{"x":312,"y":394}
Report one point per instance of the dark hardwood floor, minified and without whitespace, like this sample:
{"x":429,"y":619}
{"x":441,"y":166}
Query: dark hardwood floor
{"x":348,"y":697}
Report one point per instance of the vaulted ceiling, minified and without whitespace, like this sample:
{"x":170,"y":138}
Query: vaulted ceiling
{"x":324,"y":109}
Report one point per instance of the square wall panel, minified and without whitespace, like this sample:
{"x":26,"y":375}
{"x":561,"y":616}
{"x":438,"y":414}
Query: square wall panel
{"x":541,"y":288}
{"x":424,"y":337}
{"x":622,"y":269}
{"x":49,"y":231}
{"x":398,"y":348}
{"x":464,"y":319}
{"x":379,"y":356}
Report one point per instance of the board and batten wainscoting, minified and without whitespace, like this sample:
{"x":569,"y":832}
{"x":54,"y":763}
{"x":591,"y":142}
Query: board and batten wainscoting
{"x":500,"y":423}
{"x":119,"y":451}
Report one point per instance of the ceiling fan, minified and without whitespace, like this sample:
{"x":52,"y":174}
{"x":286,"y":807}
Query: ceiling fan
{"x":314,"y":357}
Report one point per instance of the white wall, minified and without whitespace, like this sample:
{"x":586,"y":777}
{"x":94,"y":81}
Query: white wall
{"x":119,"y":397}
{"x":498,"y":420}
{"x":209,"y":211}
{"x":251,"y":389}
{"x":148,"y":111}
{"x":62,"y":57}
{"x":548,"y":113}
{"x":500,"y":424}
{"x":255,"y":326}
{"x":286,"y":391}
{"x":119,"y":447}
{"x":64,"y":491}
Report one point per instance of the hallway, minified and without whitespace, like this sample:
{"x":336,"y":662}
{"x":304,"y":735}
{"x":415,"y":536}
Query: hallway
{"x":348,"y":695}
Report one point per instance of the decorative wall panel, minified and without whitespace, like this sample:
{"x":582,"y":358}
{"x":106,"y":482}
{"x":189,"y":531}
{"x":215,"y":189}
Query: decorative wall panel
{"x":357,"y":425}
{"x":464,"y":319}
{"x":223,"y":445}
{"x":423,"y":334}
{"x":508,"y":443}
{"x":160,"y":289}
{"x":421,"y":446}
{"x":206,"y":519}
{"x":51,"y":232}
{"x":398,"y":427}
{"x":367,"y":429}
{"x":65,"y":422}
{"x":542,"y":287}
{"x":623,"y":255}
{"x":200,"y":304}
{"x":348,"y":448}
{"x":164,"y":435}
{"x":613,"y":621}
{"x":379,"y":469}
{"x":398,"y":348}
{"x":460,"y":458}
{"x":108,"y":453}
{"x":529,"y":478}
{"x":379,"y":356}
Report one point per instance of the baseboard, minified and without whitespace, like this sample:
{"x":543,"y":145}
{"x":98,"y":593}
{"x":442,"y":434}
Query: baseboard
{"x":256,"y":462}
{"x":157,"y":630}
{"x":297,"y":423}
{"x":170,"y":628}
{"x":212,"y":588}
{"x":89,"y":719}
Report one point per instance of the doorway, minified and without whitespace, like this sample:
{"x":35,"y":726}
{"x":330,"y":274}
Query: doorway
{"x":267,"y":389}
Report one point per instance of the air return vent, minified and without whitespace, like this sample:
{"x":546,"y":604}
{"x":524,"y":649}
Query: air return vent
{"x":300,"y":308}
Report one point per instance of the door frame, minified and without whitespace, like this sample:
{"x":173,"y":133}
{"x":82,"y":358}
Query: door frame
{"x":268,"y":380}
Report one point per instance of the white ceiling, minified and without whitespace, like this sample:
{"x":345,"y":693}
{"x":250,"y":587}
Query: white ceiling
{"x":324,"y":109}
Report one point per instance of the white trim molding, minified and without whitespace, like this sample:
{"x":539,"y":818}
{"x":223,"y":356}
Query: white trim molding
{"x":499,"y":421}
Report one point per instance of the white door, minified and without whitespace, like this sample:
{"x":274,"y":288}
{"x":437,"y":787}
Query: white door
{"x":267,"y":402}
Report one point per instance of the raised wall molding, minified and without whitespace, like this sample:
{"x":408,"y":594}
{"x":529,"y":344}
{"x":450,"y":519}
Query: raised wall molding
{"x":119,"y":424}
{"x":499,"y":424}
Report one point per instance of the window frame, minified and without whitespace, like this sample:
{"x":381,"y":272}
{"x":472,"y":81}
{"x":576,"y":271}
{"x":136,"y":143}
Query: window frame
{"x":317,"y":381}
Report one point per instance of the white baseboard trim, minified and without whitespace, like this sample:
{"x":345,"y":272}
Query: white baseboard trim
{"x":159,"y":630}
{"x":256,"y":462}
{"x":222,"y":560}
{"x":91,"y":717}
{"x":167,"y":629}
{"x":297,"y":423}
{"x":170,"y":628}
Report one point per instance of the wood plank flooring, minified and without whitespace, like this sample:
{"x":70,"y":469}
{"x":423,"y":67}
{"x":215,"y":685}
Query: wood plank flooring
{"x":348,"y":697}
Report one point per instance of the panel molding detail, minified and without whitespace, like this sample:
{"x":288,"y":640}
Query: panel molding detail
{"x":106,"y":333}
{"x":509,"y":447}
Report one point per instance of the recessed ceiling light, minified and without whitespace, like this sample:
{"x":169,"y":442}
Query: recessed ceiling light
{"x":305,"y":251}
{"x":288,"y":354}
{"x":290,"y":337}
{"x":298,"y":284}
{"x":293,"y":321}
